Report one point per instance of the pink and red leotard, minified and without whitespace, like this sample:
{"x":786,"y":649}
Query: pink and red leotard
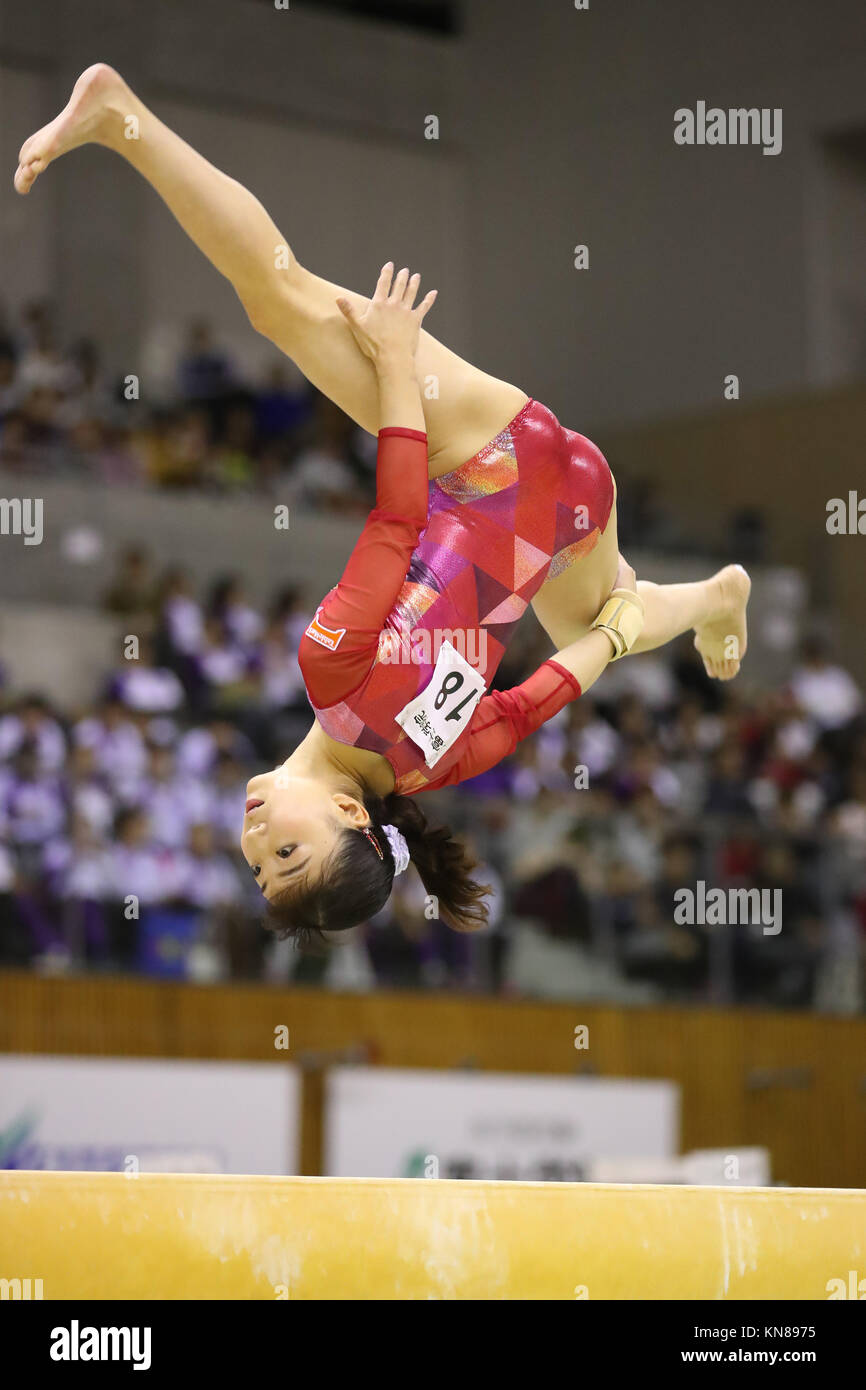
{"x":455,"y":560}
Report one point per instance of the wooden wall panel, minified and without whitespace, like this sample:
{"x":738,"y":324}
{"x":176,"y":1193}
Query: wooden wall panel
{"x":793,"y":1082}
{"x":785,"y":456}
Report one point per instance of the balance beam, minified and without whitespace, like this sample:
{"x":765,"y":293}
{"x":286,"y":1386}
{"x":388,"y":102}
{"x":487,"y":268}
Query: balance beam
{"x":165,"y":1236}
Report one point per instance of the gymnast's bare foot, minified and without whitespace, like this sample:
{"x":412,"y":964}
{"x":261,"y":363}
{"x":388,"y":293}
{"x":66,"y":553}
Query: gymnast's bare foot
{"x":99,"y":94}
{"x":721,"y":640}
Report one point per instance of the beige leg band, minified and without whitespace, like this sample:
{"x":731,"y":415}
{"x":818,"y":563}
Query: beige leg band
{"x":622,"y":618}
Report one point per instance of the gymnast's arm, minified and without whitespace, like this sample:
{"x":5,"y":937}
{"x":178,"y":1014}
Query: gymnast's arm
{"x":340,"y":644}
{"x":505,"y":717}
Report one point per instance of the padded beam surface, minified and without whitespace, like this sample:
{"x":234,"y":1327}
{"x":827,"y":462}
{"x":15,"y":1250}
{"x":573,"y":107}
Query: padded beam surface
{"x":105,"y":1235}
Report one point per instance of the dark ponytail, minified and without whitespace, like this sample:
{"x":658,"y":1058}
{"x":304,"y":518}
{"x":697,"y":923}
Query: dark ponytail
{"x":441,"y":861}
{"x":355,"y":883}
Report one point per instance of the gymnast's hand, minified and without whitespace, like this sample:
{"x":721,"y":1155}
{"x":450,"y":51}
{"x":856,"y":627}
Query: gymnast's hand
{"x":387,"y":328}
{"x":625,"y":576}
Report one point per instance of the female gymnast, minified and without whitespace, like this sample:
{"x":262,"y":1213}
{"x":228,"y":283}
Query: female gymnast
{"x":484,"y":504}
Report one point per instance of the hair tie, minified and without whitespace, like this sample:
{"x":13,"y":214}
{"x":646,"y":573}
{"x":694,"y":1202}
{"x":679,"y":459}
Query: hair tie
{"x":373,"y":841}
{"x":399,"y":848}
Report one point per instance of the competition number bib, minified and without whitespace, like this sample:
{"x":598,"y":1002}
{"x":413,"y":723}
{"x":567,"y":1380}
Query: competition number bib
{"x":441,"y":713}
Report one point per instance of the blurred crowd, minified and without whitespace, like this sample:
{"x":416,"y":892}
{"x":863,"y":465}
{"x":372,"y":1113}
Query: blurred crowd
{"x":62,"y":414}
{"x":119,"y":822}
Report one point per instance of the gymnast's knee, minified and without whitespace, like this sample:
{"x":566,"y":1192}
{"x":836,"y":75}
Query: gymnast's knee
{"x":278,"y":301}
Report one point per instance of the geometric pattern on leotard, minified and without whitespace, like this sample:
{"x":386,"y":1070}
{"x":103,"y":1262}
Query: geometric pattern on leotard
{"x":530,"y":503}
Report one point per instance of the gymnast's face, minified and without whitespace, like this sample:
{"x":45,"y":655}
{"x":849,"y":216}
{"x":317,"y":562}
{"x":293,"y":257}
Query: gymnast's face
{"x":291,"y":826}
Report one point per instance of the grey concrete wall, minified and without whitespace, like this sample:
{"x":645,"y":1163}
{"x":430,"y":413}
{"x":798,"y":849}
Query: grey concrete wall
{"x":703,"y":261}
{"x":62,"y":654}
{"x":206,"y":535}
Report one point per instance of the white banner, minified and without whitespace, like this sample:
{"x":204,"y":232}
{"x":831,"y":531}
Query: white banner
{"x":112,"y":1114}
{"x":401,"y":1124}
{"x":730,"y":1167}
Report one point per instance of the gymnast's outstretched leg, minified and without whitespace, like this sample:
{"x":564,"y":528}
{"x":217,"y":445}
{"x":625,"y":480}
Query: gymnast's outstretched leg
{"x":290,"y":305}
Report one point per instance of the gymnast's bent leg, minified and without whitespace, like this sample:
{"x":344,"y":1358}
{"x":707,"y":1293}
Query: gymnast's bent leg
{"x":287,"y":303}
{"x":714,"y":608}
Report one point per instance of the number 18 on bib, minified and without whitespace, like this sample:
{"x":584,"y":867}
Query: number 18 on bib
{"x":441,"y":713}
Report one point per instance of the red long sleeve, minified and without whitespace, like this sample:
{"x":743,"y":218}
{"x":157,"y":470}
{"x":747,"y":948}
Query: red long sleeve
{"x":505,"y":717}
{"x":349,"y":622}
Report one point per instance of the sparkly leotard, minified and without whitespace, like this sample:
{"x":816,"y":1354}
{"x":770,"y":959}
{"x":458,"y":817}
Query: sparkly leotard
{"x":463,"y":553}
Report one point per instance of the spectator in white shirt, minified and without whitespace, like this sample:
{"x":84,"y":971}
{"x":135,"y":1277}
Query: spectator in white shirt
{"x":228,"y":602}
{"x":826,"y":692}
{"x":206,"y":876}
{"x":119,"y":751}
{"x":172,"y":802}
{"x":89,"y":799}
{"x":33,"y":723}
{"x":142,"y":686}
{"x":181,"y":614}
{"x":139,"y":868}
